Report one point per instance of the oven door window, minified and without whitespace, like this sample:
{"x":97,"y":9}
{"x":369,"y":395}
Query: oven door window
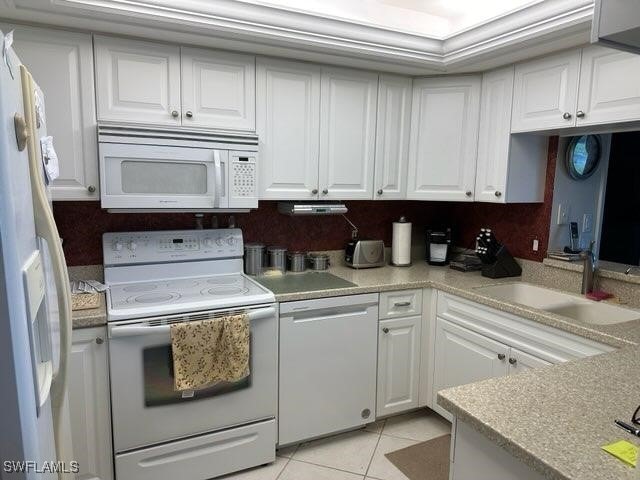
{"x":158,"y":380}
{"x":175,"y":178}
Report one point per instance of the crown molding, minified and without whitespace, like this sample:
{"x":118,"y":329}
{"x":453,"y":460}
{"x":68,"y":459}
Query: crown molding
{"x":540,"y":28}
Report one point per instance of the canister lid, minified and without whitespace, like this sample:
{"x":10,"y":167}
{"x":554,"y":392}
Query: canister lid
{"x":254,"y":246}
{"x":277,"y":249}
{"x":403,"y":219}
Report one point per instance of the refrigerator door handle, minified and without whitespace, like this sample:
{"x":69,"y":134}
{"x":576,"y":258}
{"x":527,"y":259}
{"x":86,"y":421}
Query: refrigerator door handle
{"x":46,"y":228}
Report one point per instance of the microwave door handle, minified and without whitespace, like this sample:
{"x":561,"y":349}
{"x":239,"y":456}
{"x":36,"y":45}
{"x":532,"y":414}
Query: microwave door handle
{"x":217,"y":174}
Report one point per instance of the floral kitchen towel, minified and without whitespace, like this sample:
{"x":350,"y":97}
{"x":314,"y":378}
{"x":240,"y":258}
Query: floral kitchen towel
{"x":206,"y":352}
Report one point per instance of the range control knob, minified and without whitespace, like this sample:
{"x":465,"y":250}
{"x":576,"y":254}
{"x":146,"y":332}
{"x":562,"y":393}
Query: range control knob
{"x":219,"y":242}
{"x":117,"y":246}
{"x":132,"y":245}
{"x":231,"y":241}
{"x":208,"y":242}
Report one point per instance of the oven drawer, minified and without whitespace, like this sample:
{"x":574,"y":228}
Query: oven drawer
{"x":202,"y":457}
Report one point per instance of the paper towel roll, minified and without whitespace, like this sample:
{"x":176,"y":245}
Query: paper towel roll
{"x":401,"y":243}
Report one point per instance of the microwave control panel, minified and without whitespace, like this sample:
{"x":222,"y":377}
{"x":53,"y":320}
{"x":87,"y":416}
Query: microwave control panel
{"x":129,"y":248}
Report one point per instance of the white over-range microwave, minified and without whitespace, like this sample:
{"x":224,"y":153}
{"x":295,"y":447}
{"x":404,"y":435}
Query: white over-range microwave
{"x":165,"y":169}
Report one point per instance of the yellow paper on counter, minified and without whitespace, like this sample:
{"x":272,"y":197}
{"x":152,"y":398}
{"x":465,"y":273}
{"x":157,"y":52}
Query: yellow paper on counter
{"x":625,"y":451}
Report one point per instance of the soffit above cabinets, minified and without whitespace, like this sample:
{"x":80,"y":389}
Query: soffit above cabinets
{"x":461,"y":41}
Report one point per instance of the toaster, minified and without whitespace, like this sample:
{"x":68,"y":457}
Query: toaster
{"x":364,"y":253}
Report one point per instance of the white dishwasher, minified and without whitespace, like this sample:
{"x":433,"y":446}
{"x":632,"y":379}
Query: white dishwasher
{"x":328,"y":355}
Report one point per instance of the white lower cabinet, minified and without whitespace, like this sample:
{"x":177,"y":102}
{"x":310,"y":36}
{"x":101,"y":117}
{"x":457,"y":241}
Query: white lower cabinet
{"x":473,"y":342}
{"x":90,"y":409}
{"x":398,"y":365}
{"x":463,"y":356}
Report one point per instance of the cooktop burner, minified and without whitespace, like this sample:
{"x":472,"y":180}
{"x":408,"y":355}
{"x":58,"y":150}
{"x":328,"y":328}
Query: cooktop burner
{"x":225,"y":290}
{"x":154,"y":298}
{"x":130,"y":300}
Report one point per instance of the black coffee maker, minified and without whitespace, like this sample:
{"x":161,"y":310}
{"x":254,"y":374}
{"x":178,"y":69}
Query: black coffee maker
{"x":438,"y":246}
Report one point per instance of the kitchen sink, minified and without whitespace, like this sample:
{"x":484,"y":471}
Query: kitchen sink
{"x":595,"y":313}
{"x":527,"y":294}
{"x":564,"y":304}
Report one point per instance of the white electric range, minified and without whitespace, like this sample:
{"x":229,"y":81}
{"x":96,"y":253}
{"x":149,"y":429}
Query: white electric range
{"x":157,"y":279}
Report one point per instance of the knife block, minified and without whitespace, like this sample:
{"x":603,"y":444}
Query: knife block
{"x":504,"y":266}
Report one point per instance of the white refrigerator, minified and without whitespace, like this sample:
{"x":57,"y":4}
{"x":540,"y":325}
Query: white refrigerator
{"x":35,"y":301}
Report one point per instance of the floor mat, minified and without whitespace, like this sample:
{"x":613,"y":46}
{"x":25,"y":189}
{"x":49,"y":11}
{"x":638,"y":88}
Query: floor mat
{"x":424,"y":461}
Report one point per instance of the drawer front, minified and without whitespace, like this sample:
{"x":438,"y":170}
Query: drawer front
{"x":404,"y":303}
{"x":202,"y":457}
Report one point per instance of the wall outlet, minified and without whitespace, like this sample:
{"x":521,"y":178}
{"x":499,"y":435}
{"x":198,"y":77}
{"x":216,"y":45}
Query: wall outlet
{"x":587,"y":222}
{"x":536,"y":245}
{"x":564,"y":212}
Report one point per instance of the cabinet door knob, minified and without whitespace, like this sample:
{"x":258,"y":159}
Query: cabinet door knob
{"x":512,"y":361}
{"x":468,"y":193}
{"x":498,"y":194}
{"x":175,"y":114}
{"x":189,"y":114}
{"x":91,"y":189}
{"x":385,"y":330}
{"x":325,"y":191}
{"x":580,"y":114}
{"x":314,"y":191}
{"x":380,"y":192}
{"x":501,"y":356}
{"x":566,"y":116}
{"x":99,"y":340}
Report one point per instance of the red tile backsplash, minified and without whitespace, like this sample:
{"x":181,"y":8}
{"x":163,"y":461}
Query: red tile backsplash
{"x":81,"y":224}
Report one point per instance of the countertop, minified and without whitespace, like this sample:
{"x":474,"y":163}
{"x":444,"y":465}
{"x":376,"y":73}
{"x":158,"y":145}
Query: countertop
{"x":555,"y":419}
{"x":92,"y":317}
{"x":463,"y":284}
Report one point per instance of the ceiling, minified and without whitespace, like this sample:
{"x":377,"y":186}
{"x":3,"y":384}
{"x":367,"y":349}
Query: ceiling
{"x":429,"y":18}
{"x":413,"y":37}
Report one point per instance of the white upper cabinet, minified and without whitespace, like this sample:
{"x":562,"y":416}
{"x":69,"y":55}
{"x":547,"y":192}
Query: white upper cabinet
{"x":137,"y":81}
{"x":347,"y":133}
{"x":62,"y":64}
{"x":545,"y":93}
{"x":444,"y":136}
{"x":288,"y":126}
{"x":609,"y":87}
{"x":392,"y":137}
{"x":511,"y":168}
{"x":218,"y":89}
{"x":494,"y":135}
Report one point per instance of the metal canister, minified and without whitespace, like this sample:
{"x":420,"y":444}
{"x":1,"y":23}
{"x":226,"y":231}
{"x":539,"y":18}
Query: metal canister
{"x":253,"y":258}
{"x":318,"y":261}
{"x":277,"y":257}
{"x":297,"y":261}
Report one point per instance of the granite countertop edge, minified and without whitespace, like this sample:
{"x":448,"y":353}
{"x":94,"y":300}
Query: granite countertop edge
{"x":469,"y":293}
{"x":89,"y":318}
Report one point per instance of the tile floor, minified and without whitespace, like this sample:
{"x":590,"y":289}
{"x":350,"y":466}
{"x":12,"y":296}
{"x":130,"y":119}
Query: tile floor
{"x":353,"y":455}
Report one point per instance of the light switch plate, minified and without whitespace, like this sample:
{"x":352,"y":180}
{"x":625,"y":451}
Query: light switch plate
{"x":564,"y":212}
{"x":587,"y":222}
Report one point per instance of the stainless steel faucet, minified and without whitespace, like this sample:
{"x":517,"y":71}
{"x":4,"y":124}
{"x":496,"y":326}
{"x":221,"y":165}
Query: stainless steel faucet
{"x":589,"y":269}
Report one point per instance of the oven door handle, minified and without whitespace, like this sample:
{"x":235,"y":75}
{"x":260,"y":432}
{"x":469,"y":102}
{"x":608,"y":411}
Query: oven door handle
{"x":119,"y":331}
